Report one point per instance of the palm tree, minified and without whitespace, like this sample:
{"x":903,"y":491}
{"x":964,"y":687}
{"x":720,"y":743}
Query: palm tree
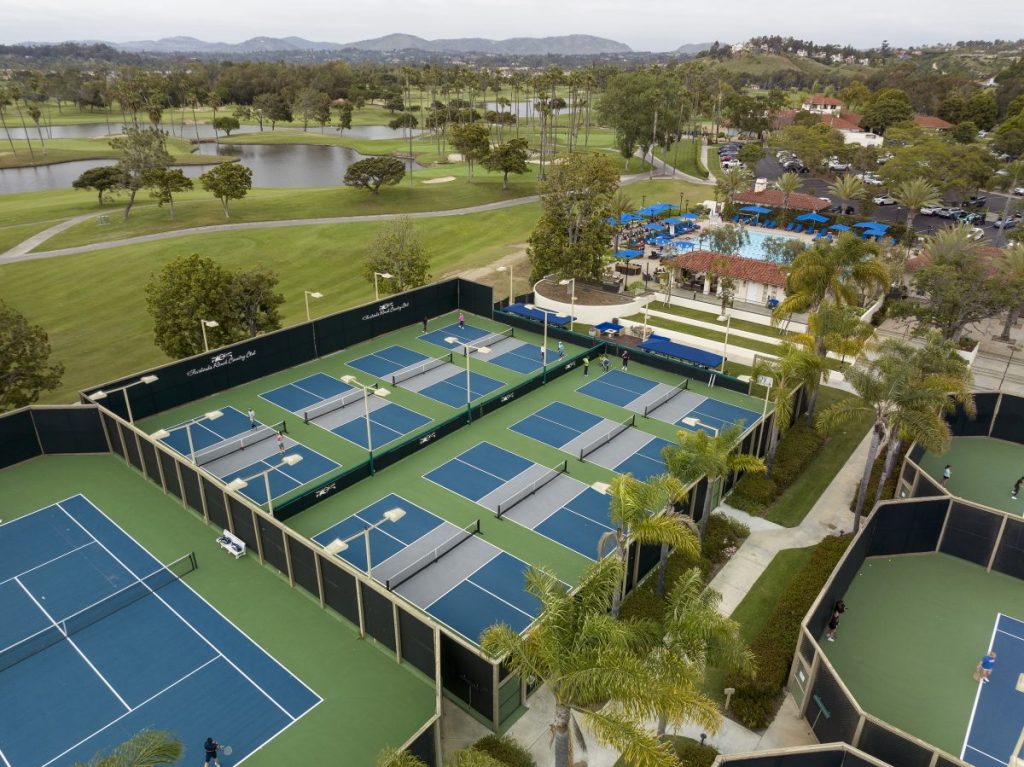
{"x":897,"y":396}
{"x":1012,"y":269}
{"x":396,"y":757}
{"x":847,"y":188}
{"x":914,"y":194}
{"x":786,"y":372}
{"x":732,"y":182}
{"x":787,"y":184}
{"x":598,"y":669}
{"x":147,"y":748}
{"x":642,"y":512}
{"x":693,"y":628}
{"x":617,"y":206}
{"x":5,"y":102}
{"x":832,"y":328}
{"x":698,"y":455}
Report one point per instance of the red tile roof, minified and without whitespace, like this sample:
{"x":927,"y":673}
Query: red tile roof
{"x":772,"y":198}
{"x":849,"y":121}
{"x":928,"y":121}
{"x":737,"y":267}
{"x":819,"y":100}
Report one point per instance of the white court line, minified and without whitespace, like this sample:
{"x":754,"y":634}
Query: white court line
{"x":1007,"y":633}
{"x":150,"y":699}
{"x":497,"y":551}
{"x":189,"y":625}
{"x":48,"y":562}
{"x":71,"y":642}
{"x":977,"y":695}
{"x":993,"y":758}
{"x":4,"y":759}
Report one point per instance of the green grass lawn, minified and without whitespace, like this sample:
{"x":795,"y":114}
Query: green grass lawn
{"x":684,"y":156}
{"x":70,"y":149}
{"x":792,"y":506}
{"x":757,"y":606}
{"x":738,"y":324}
{"x":714,"y":166}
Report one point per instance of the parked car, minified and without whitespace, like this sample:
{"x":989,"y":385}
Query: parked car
{"x":1019,"y":190}
{"x":931,"y":210}
{"x":1005,"y":223}
{"x":837,"y":166}
{"x":839,"y":209}
{"x":732,"y":162}
{"x":794,"y":166}
{"x":975,"y":234}
{"x":870,"y":179}
{"x":883,"y":200}
{"x":977,"y":201}
{"x":949,"y":212}
{"x":728,"y":148}
{"x":884,"y":158}
{"x":971,"y":218}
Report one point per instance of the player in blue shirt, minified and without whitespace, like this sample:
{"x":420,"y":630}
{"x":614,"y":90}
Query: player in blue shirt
{"x":986,"y":665}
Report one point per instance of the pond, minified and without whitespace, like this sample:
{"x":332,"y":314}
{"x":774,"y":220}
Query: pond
{"x":273,"y":165}
{"x":188,"y":132}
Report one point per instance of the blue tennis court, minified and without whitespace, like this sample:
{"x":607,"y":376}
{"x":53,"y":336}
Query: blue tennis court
{"x":381,"y":364}
{"x":997,"y":720}
{"x":467,"y":333}
{"x":618,"y":387}
{"x":451,"y":573}
{"x":719,"y":416}
{"x":207,"y":433}
{"x":523,"y":358}
{"x":452,"y":390}
{"x":647,"y":461}
{"x":101,"y":641}
{"x":300,"y":395}
{"x":546,"y":500}
{"x":556,"y":424}
{"x":283,"y":478}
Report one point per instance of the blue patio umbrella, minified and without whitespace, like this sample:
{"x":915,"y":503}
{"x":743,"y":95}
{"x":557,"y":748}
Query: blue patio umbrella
{"x":755,"y":209}
{"x":654,"y":227}
{"x":689,"y":215}
{"x":625,"y":255}
{"x":818,"y":219}
{"x":625,"y":218}
{"x":839,"y":228}
{"x":872,"y":225}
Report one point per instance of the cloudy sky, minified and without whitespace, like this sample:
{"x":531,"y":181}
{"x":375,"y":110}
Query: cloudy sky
{"x":650,"y":25}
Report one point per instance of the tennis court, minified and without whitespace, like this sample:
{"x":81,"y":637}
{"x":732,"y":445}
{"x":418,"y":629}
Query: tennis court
{"x":238,"y":450}
{"x":983,"y":470}
{"x":618,"y":446}
{"x":342,"y":409}
{"x":535,"y":496}
{"x":503,"y":348}
{"x":101,"y":641}
{"x":991,"y":740}
{"x":670,"y":404}
{"x":450,"y":572}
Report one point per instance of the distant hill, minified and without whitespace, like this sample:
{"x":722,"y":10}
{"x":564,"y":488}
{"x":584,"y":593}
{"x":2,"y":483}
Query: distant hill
{"x":692,"y":49}
{"x":570,"y":45}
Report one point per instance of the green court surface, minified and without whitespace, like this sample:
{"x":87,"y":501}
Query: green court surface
{"x":914,"y":631}
{"x":983,"y":471}
{"x":367,"y":696}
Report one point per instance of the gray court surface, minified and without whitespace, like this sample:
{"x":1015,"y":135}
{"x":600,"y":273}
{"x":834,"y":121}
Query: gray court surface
{"x":431,"y":583}
{"x":605,"y":431}
{"x":242,"y":459}
{"x":498,"y":343}
{"x":671,"y":411}
{"x":536,"y":508}
{"x":431,"y":377}
{"x":624,"y":446}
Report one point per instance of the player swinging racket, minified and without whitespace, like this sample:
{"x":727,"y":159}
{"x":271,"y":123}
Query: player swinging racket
{"x":211,"y":747}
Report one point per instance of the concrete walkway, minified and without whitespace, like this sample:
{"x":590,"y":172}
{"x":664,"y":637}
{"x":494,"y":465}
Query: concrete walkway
{"x":704,"y":162}
{"x":39,"y":238}
{"x":662,"y":168}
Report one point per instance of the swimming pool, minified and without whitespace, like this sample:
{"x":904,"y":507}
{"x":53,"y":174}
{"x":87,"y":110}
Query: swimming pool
{"x":752,"y":249}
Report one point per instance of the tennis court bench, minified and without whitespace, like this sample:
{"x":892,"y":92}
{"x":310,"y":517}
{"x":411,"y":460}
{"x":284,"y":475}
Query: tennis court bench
{"x":232,"y":543}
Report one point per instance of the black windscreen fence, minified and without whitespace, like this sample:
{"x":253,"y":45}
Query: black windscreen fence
{"x":1010,"y":556}
{"x":149,"y":460}
{"x":909,"y":472}
{"x":647,"y":560}
{"x":964,"y":426}
{"x":816,"y":759}
{"x":476,"y":298}
{"x":190,"y":484}
{"x":417,"y":642}
{"x":18,"y":441}
{"x":339,"y":589}
{"x":405,"y":449}
{"x":841,"y":581}
{"x":926,"y":487}
{"x":323,"y":490}
{"x":1009,"y":420}
{"x":113,"y":435}
{"x":970,"y":534}
{"x":425,"y":747}
{"x":242,"y":522}
{"x":827,"y":697}
{"x":891,"y":747}
{"x":697,"y":499}
{"x":131,"y":447}
{"x":272,"y":539}
{"x":70,"y":430}
{"x":379,"y":616}
{"x":170,"y":469}
{"x":907,"y":527}
{"x":303,"y":565}
{"x":467,"y":676}
{"x":215,"y":508}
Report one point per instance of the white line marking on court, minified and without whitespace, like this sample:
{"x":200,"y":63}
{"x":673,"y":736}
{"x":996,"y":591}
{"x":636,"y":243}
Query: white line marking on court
{"x":494,"y":556}
{"x":274,"y":735}
{"x":4,"y":759}
{"x":49,"y":561}
{"x":182,"y":619}
{"x":150,"y":699}
{"x":71,"y":642}
{"x":977,"y":695}
{"x":501,"y":599}
{"x":994,"y":759}
{"x":1007,"y":633}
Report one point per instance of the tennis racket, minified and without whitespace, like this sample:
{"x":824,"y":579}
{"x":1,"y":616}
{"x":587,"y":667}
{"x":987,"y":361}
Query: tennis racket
{"x":226,"y":750}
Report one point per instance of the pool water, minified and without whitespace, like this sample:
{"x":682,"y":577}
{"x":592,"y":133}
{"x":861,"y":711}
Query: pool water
{"x":755,"y":248}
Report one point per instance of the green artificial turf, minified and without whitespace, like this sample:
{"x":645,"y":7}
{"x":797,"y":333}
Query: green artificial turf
{"x":983,"y":471}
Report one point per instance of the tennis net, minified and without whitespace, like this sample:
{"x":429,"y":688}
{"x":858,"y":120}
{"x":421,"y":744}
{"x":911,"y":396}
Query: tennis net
{"x":250,"y":438}
{"x":432,"y":556}
{"x":87,"y":616}
{"x":525,"y":492}
{"x":663,"y":398}
{"x":604,"y":439}
{"x":417,"y":370}
{"x":332,"y":404}
{"x":491,"y":340}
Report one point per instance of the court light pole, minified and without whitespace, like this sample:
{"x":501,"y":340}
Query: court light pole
{"x":339,"y":545}
{"x":469,"y":390}
{"x":376,"y":290}
{"x":380,"y":391}
{"x":239,"y":482}
{"x":509,"y":270}
{"x":725,"y":348}
{"x":101,"y":394}
{"x":311,"y":294}
{"x":204,"y":324}
{"x":697,"y":422}
{"x":572,"y":298}
{"x":213,"y":415}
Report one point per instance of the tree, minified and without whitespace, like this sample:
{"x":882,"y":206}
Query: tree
{"x":837,"y":271}
{"x":964,"y":132}
{"x":787,"y":184}
{"x":811,"y":143}
{"x":847,"y":188}
{"x":572,"y":235}
{"x":255,"y":300}
{"x":103,"y":179}
{"x":855,"y":95}
{"x":166,"y":183}
{"x":786,"y":371}
{"x":732,"y":182}
{"x":728,"y":238}
{"x":510,"y":157}
{"x":887,"y":107}
{"x":642,"y":512}
{"x":750,"y":154}
{"x":226,"y":124}
{"x":143,"y":152}
{"x":600,"y":670}
{"x":473,"y":142}
{"x":187,"y":290}
{"x":406,"y":121}
{"x":148,"y":748}
{"x":344,"y":116}
{"x":696,"y":455}
{"x":227,"y":181}
{"x":1012,"y":270}
{"x":398,"y":250}
{"x":1009,"y":136}
{"x":273,"y":107}
{"x":374,"y":172}
{"x":981,"y":109}
{"x":914,"y":194}
{"x":25,"y":367}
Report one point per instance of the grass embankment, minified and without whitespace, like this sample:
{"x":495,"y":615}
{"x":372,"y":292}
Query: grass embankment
{"x":737,"y":324}
{"x":71,"y":149}
{"x":684,"y":156}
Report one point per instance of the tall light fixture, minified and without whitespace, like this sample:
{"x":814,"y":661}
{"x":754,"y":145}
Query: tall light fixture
{"x":376,"y":290}
{"x":239,"y":482}
{"x":380,"y":391}
{"x":572,"y":298}
{"x":469,"y":348}
{"x":101,"y":394}
{"x":204,"y":324}
{"x":213,"y":415}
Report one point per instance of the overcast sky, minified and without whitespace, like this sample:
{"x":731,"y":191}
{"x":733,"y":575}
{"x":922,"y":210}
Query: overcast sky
{"x":655,"y":25}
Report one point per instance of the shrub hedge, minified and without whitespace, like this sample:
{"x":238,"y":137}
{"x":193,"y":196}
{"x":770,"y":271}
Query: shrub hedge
{"x":690,"y":752}
{"x":889,"y":491}
{"x":505,"y":750}
{"x":754,"y":493}
{"x":756,"y":701}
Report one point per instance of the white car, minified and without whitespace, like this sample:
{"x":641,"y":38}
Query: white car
{"x":870,"y":179}
{"x":1019,"y":190}
{"x":931,"y":210}
{"x":835,"y":164}
{"x":975,"y":234}
{"x":883,"y":200}
{"x":732,"y":164}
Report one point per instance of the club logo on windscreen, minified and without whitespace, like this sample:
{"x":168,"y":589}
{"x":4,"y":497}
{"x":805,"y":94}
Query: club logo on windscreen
{"x":508,"y":397}
{"x":388,"y":307}
{"x":221,"y":360}
{"x":428,"y":438}
{"x":325,"y":491}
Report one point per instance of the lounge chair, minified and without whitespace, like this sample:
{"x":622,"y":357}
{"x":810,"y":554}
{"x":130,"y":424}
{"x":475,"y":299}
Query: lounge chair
{"x":812,"y":230}
{"x":773,"y":224}
{"x":789,"y":227}
{"x":736,"y":218}
{"x":799,"y":228}
{"x":892,"y":241}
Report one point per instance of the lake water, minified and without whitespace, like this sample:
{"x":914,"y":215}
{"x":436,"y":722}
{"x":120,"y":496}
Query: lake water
{"x":188,"y":132}
{"x":273,"y":165}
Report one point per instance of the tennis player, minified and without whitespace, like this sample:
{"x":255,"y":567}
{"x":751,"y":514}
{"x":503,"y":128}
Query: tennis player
{"x":210,"y":747}
{"x":986,"y":665}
